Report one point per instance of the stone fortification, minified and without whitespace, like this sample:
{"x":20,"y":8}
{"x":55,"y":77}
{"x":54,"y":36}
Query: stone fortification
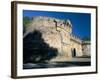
{"x":58,"y":34}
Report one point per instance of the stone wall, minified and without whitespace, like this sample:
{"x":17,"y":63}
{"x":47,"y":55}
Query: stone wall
{"x":57,"y":34}
{"x":86,"y":48}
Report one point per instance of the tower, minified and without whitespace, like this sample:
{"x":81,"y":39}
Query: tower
{"x":64,"y":27}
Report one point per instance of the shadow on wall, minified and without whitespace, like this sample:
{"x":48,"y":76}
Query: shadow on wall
{"x":35,"y":50}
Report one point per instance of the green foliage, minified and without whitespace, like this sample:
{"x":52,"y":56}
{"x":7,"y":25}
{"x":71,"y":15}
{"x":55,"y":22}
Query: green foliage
{"x":86,"y":39}
{"x":36,"y":50}
{"x":26,"y":21}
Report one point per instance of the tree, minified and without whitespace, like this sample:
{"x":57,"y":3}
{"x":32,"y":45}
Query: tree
{"x":26,"y":21}
{"x":36,"y":50}
{"x":86,"y":38}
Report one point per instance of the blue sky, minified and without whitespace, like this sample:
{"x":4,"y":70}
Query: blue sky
{"x":81,"y":22}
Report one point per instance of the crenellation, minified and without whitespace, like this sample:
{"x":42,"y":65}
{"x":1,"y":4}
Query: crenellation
{"x":48,"y":21}
{"x":75,"y":38}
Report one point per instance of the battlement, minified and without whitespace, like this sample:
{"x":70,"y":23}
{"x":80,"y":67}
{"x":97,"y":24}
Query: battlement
{"x":86,"y":42}
{"x":75,"y":38}
{"x":53,"y":22}
{"x":59,"y":24}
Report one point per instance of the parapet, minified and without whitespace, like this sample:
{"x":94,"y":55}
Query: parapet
{"x":75,"y":38}
{"x":47,"y":21}
{"x":86,"y":42}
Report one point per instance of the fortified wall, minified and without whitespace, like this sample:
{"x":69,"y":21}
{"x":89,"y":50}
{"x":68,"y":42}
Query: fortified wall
{"x":58,"y":34}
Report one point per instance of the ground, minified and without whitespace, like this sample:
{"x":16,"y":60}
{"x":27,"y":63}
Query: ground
{"x":72,"y":63}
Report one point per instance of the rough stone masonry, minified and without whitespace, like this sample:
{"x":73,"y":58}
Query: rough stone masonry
{"x":58,"y":34}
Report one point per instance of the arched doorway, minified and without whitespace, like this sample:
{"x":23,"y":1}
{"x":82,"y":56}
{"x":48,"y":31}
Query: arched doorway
{"x":74,"y":52}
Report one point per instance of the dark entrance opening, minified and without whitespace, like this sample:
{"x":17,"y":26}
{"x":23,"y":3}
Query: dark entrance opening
{"x":74,"y":52}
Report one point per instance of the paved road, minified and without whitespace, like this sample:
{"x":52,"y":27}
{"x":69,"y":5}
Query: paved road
{"x":72,"y":63}
{"x":78,"y":59}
